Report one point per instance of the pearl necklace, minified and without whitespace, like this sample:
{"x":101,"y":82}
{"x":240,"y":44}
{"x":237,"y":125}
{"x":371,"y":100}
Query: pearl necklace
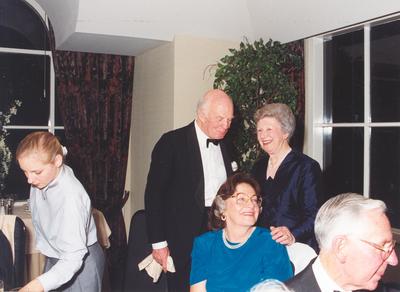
{"x":234,"y":246}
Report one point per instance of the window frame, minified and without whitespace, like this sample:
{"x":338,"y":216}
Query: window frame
{"x":51,"y":124}
{"x":314,"y":102}
{"x":48,"y":89}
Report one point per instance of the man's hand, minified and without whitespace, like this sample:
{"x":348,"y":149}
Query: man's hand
{"x":161,"y":256}
{"x":282,"y":235}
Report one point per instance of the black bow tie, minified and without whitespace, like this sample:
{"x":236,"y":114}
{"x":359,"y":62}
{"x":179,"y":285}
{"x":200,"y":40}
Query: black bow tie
{"x":214,"y":141}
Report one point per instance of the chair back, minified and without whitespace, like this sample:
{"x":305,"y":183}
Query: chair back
{"x":6,"y":262}
{"x":13,"y":229}
{"x":138,"y":249}
{"x":300,"y":254}
{"x":19,"y":254}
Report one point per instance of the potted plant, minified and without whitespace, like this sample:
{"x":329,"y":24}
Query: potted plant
{"x":255,"y":74}
{"x":5,"y":153}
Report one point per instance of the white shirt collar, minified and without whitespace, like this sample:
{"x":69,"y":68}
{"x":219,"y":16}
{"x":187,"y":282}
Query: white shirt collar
{"x":325,"y":282}
{"x":53,"y":183}
{"x":201,"y":136}
{"x":213,"y":166}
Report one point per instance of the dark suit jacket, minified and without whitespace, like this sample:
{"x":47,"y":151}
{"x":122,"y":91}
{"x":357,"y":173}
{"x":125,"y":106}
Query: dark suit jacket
{"x":293,"y":197}
{"x":174,"y":196}
{"x":304,"y":281}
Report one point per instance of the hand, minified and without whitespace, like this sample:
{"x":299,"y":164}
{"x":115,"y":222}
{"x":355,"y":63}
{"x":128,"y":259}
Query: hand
{"x":161,"y":256}
{"x":33,"y":285}
{"x":282,"y":235}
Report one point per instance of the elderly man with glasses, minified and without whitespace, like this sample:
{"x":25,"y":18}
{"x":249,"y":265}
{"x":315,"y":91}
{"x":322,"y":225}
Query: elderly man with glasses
{"x":356,"y":246}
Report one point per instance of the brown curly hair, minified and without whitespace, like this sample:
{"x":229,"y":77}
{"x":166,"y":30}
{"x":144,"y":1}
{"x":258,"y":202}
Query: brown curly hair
{"x":226,"y":191}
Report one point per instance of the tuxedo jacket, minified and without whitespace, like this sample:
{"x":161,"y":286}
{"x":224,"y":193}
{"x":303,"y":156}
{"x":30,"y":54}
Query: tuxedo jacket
{"x":304,"y":281}
{"x":174,"y":195}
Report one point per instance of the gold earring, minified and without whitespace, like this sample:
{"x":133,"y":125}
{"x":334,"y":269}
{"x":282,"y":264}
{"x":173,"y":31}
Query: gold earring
{"x":223,"y":217}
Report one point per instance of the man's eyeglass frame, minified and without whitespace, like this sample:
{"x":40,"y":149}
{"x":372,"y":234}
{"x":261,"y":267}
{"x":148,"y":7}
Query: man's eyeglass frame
{"x":387,"y":250}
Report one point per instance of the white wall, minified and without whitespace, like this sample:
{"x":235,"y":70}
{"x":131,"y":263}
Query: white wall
{"x":194,"y":67}
{"x":152,"y":114}
{"x":168,"y":82}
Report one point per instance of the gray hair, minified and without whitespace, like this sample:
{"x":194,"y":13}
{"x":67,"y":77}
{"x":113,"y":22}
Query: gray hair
{"x":210,"y":96}
{"x":270,"y":285}
{"x":281,"y":112}
{"x":341,"y":215}
{"x":219,"y":208}
{"x":201,"y":104}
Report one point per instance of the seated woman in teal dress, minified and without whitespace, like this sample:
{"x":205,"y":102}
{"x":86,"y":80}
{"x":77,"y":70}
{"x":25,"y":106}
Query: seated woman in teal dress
{"x":236,"y":254}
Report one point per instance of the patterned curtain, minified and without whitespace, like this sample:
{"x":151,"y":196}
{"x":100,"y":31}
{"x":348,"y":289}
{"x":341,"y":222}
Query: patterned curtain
{"x":94,"y":93}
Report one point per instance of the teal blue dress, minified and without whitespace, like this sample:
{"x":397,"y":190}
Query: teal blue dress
{"x":227,"y":269}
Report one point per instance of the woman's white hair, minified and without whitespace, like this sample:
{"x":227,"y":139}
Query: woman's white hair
{"x":341,"y":215}
{"x":279,"y":111}
{"x":270,"y":285}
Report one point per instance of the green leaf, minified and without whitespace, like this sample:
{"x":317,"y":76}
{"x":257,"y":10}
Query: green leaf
{"x":255,"y":74}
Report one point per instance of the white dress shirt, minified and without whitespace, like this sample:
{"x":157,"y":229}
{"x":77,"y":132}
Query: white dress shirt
{"x":213,"y":170}
{"x":64,"y":226}
{"x":213,"y":166}
{"x":325,"y":283}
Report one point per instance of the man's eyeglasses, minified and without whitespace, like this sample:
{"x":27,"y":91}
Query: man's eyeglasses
{"x":242,"y":199}
{"x":386,"y":250}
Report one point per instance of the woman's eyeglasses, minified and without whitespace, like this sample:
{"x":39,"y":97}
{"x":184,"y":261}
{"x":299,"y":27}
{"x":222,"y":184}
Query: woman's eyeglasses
{"x":242,"y":199}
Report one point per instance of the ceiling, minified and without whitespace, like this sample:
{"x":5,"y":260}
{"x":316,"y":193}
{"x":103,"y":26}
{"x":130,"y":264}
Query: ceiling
{"x":130,"y":27}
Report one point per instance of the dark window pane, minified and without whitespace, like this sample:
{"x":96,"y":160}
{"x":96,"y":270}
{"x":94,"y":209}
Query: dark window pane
{"x":22,"y":77}
{"x":60,"y":134}
{"x":344,"y":78}
{"x":16,"y":182}
{"x":385,"y":72}
{"x":385,"y":170}
{"x":21,"y":27}
{"x":343,"y":160}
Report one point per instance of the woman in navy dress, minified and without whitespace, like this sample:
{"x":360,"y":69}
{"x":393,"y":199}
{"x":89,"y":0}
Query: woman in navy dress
{"x":290,"y":180}
{"x":236,"y":255}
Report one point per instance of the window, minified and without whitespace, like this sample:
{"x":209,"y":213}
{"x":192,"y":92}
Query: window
{"x":356,"y":125}
{"x":27,"y":75}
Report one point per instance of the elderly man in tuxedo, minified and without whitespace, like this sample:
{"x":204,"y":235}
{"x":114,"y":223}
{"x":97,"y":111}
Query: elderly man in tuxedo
{"x":356,"y":246}
{"x":188,"y":165}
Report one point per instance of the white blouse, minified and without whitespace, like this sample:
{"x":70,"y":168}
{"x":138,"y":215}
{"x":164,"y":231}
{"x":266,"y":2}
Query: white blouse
{"x":64,"y":226}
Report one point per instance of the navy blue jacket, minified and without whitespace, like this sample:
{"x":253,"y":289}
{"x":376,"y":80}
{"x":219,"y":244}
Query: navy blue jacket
{"x":293,"y":197}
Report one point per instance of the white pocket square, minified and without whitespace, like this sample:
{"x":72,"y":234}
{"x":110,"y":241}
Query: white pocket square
{"x":234,"y":166}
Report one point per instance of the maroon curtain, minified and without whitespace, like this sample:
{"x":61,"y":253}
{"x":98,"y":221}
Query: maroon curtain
{"x":94,"y":93}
